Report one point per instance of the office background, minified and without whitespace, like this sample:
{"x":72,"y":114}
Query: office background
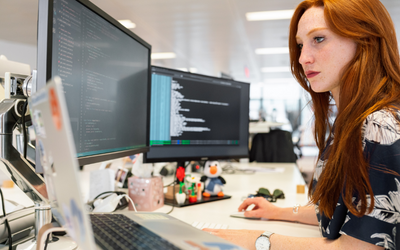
{"x":211,"y":37}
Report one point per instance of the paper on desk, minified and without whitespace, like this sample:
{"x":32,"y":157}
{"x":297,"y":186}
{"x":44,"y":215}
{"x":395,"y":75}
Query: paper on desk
{"x":263,"y":170}
{"x":101,"y":180}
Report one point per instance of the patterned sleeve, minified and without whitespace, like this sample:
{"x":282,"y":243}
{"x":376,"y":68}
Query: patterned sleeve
{"x":381,"y":141}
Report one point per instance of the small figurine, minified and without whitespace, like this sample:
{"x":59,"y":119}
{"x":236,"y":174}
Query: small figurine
{"x":199,"y":196}
{"x":192,"y":194}
{"x":181,"y":196}
{"x":213,"y":182}
{"x":180,"y":174}
{"x":192,"y":180}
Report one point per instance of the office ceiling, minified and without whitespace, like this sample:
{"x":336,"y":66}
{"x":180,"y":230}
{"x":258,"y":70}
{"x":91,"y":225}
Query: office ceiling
{"x":212,"y":36}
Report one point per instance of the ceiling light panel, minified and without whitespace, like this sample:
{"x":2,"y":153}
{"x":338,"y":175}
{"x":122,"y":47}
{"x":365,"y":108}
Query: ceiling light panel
{"x":288,"y":80}
{"x":275,"y":69}
{"x":269,"y":15}
{"x":271,"y":51}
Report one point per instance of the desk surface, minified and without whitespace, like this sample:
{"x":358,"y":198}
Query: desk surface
{"x":238,"y":186}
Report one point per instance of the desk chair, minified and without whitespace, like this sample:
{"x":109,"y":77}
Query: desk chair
{"x":275,"y":146}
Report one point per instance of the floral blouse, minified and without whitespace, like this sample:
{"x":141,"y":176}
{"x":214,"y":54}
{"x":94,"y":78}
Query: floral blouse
{"x":381,"y":141}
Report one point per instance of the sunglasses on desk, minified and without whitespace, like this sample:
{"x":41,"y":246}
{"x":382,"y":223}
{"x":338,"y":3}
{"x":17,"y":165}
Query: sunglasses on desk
{"x":264,"y":192}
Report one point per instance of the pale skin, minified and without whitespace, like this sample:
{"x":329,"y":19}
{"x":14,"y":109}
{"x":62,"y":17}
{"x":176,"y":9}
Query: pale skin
{"x":324,"y":57}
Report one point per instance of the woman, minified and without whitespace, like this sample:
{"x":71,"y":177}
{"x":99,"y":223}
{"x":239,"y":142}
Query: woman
{"x":344,"y":51}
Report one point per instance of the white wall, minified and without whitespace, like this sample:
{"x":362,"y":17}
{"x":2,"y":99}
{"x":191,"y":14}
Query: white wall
{"x":19,"y":52}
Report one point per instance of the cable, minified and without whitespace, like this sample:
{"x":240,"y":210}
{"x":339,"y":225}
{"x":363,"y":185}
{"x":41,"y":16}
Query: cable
{"x":173,"y":200}
{"x":172,"y":183}
{"x":47,"y":241}
{"x":24,"y":128}
{"x":6,"y":221}
{"x":90,"y":204}
{"x":173,"y":194}
{"x":129,"y":198}
{"x":107,"y":192}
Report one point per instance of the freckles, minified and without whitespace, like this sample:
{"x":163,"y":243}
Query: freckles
{"x":325,"y":56}
{"x":323,"y":78}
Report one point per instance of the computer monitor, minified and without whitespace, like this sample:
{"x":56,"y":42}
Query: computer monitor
{"x":197,"y":117}
{"x":105,"y":70}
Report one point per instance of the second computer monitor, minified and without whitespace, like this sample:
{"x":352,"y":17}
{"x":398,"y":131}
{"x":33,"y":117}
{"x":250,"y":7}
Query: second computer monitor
{"x":197,"y":117}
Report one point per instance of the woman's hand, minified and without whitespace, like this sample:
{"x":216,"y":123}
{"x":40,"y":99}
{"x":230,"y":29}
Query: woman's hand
{"x":243,"y":238}
{"x":262,"y":208}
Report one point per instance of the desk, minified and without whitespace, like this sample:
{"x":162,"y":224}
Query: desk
{"x":238,"y":186}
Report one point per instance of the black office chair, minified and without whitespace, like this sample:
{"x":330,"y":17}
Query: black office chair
{"x":294,"y":117}
{"x":275,"y":146}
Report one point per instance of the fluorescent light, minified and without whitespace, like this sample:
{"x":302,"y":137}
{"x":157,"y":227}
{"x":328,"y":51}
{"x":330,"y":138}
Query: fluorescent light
{"x":279,"y":80}
{"x":193,"y":70}
{"x":165,"y":55}
{"x":275,"y":69}
{"x":183,"y":69}
{"x":127,"y":23}
{"x":269,"y":15}
{"x":271,"y":51}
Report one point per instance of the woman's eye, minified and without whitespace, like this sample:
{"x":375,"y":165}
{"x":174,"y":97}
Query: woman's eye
{"x":300,"y":46}
{"x":319,"y":39}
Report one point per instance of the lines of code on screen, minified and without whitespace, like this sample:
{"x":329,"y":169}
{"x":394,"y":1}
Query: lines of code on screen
{"x":104,"y":73}
{"x":193,"y":112}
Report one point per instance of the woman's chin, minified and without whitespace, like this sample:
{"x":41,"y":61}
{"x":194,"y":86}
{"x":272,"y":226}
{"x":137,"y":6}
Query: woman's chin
{"x":318,"y":89}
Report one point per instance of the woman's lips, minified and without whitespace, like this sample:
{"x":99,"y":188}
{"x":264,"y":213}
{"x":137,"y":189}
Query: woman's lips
{"x":311,"y":74}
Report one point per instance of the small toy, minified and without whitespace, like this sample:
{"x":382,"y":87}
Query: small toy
{"x":181,"y":196}
{"x":199,"y":196}
{"x":213,"y":182}
{"x":191,"y":182}
{"x":192,"y":194}
{"x":180,"y":174}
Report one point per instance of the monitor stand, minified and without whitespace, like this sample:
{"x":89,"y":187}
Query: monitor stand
{"x":172,"y":202}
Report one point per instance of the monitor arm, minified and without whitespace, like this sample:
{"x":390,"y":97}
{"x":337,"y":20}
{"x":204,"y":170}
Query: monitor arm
{"x":16,"y":90}
{"x":12,"y":162}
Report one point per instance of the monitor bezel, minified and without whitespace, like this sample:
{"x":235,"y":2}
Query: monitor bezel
{"x":44,"y":55}
{"x":200,"y":158}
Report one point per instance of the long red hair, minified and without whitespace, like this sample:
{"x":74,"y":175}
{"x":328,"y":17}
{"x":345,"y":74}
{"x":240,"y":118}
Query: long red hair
{"x":371,"y":82}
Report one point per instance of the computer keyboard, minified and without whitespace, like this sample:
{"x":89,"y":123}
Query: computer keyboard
{"x":201,"y":225}
{"x":118,"y":232}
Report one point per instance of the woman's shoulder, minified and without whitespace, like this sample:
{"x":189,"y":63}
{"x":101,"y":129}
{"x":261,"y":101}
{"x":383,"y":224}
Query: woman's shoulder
{"x":382,"y":126}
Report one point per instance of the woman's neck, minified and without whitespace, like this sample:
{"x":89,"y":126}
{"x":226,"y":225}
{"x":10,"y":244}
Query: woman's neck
{"x":335,"y":94}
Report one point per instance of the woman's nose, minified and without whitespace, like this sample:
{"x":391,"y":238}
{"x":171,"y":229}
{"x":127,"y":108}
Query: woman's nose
{"x":306,"y":56}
